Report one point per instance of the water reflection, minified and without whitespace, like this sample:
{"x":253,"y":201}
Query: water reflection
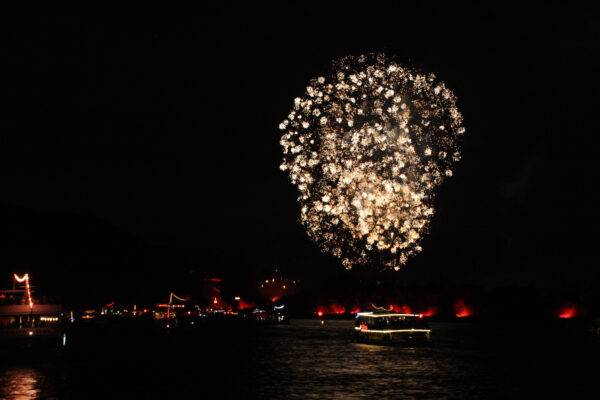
{"x":371,"y":347}
{"x":304,"y":360}
{"x":311,"y":362}
{"x":19,"y":384}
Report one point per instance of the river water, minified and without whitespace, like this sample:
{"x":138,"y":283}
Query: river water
{"x":307,"y":360}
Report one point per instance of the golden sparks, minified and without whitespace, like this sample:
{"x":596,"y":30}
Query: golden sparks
{"x":367,"y":147}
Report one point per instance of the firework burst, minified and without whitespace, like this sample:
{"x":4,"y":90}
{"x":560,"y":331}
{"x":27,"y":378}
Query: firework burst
{"x":367,"y":147}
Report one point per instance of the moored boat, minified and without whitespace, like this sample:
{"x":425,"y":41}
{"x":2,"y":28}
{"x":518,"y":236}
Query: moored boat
{"x":23,"y":319}
{"x":391,"y":327}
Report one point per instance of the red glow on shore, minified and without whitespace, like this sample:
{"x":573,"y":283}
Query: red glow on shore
{"x":430,"y":312}
{"x":461,"y":310}
{"x":403,"y":309}
{"x":355,"y":310}
{"x":567,"y":312}
{"x":332,"y":309}
{"x":244,"y":305}
{"x":337,"y":309}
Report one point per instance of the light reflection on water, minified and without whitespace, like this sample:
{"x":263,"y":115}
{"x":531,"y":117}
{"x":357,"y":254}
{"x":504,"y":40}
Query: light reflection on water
{"x":315,"y":362}
{"x":305,"y":360}
{"x":19,"y":384}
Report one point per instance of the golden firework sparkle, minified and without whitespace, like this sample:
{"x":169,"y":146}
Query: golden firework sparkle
{"x":367,"y":147}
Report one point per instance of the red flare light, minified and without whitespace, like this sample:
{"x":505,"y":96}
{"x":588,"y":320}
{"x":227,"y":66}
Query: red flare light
{"x":430,"y":312}
{"x":244,"y":305}
{"x":332,"y":309}
{"x":355,"y":310}
{"x":461,"y":310}
{"x":320,"y":311}
{"x":567,"y":312}
{"x":337,"y":309}
{"x":403,"y":309}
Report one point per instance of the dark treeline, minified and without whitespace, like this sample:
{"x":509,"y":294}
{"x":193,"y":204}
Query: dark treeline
{"x":80,"y":259}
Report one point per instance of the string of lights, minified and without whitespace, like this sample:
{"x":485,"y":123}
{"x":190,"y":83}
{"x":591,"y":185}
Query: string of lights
{"x":171,"y":297}
{"x":25,"y":279}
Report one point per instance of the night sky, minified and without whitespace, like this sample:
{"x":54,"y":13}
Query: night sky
{"x":146,"y":147}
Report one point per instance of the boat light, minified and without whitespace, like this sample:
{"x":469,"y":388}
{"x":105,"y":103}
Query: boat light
{"x":25,"y":278}
{"x":398,"y":330}
{"x":371,"y":314}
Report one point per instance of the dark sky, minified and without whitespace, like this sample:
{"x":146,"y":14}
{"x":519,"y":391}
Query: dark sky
{"x":164,"y":128}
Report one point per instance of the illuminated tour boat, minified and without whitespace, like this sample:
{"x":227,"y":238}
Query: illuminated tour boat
{"x":23,"y":318}
{"x":390,"y":327}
